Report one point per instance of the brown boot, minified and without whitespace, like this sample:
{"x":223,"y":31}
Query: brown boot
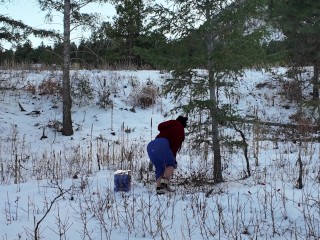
{"x":164,"y":186}
{"x":164,"y":183}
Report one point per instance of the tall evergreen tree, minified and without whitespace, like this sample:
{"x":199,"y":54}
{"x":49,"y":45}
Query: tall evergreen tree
{"x":23,"y":53}
{"x":6,"y":56}
{"x":231,"y":36}
{"x":130,"y":38}
{"x":129,"y":27}
{"x":154,"y":49}
{"x":106,"y":46}
{"x":72,"y":17}
{"x":299,"y":21}
{"x":44,"y":54}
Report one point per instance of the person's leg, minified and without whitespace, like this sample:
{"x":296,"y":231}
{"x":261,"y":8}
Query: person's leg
{"x":168,"y":172}
{"x":163,"y":181}
{"x":155,"y":153}
{"x":162,"y":157}
{"x":158,"y":182}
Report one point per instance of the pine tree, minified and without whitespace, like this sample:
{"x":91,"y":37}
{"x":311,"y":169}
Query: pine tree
{"x":44,"y":54}
{"x":71,"y":17}
{"x":130,"y":29}
{"x":230,"y":34}
{"x":299,"y":21}
{"x":23,"y":53}
{"x":105,"y":48}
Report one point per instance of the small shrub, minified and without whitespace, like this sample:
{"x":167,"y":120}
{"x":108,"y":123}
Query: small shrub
{"x":55,"y":124}
{"x":295,"y":73}
{"x":50,"y":86}
{"x":292,"y":90}
{"x":143,"y":97}
{"x":30,"y":88}
{"x":104,"y":100}
{"x":81,"y":88}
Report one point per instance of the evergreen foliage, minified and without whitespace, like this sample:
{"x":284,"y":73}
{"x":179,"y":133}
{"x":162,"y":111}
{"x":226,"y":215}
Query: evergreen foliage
{"x":299,"y":21}
{"x":229,"y":39}
{"x":139,"y":36}
{"x":15,"y":31}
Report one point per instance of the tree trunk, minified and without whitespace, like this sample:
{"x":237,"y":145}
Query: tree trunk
{"x":217,"y":169}
{"x":315,"y":91}
{"x":67,"y":102}
{"x":299,"y":183}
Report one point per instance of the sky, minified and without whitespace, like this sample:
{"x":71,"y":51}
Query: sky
{"x":28,"y":12}
{"x":263,"y":206}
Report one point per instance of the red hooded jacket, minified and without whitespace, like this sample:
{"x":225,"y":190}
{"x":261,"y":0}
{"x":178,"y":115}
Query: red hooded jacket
{"x":172,"y":130}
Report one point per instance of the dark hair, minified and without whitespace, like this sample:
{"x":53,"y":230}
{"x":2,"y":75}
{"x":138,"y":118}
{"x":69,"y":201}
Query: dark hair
{"x":182,"y":120}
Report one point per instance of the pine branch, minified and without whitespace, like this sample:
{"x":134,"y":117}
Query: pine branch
{"x":21,"y":30}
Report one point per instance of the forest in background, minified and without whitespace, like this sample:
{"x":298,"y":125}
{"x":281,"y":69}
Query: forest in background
{"x":137,"y":38}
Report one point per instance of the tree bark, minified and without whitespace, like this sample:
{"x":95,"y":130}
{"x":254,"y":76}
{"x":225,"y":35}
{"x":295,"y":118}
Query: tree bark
{"x":217,"y":168}
{"x":315,"y":92}
{"x":67,"y":101}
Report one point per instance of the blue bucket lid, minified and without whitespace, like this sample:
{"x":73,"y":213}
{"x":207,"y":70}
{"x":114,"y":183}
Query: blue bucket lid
{"x":121,"y":172}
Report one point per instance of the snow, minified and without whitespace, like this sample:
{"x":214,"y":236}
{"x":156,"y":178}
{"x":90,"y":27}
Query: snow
{"x":62,"y":187}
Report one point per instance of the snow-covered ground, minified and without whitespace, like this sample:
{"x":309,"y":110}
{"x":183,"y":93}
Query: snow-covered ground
{"x":58,"y":187}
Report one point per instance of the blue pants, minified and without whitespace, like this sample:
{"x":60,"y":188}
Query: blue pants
{"x":161,"y":155}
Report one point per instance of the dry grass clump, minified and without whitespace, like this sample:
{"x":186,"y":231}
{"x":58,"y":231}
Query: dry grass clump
{"x":50,"y":87}
{"x":291,"y":90}
{"x":31,"y":88}
{"x":143,"y":96}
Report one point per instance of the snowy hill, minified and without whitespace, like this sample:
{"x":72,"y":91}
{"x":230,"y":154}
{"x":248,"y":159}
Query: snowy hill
{"x":59,"y":187}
